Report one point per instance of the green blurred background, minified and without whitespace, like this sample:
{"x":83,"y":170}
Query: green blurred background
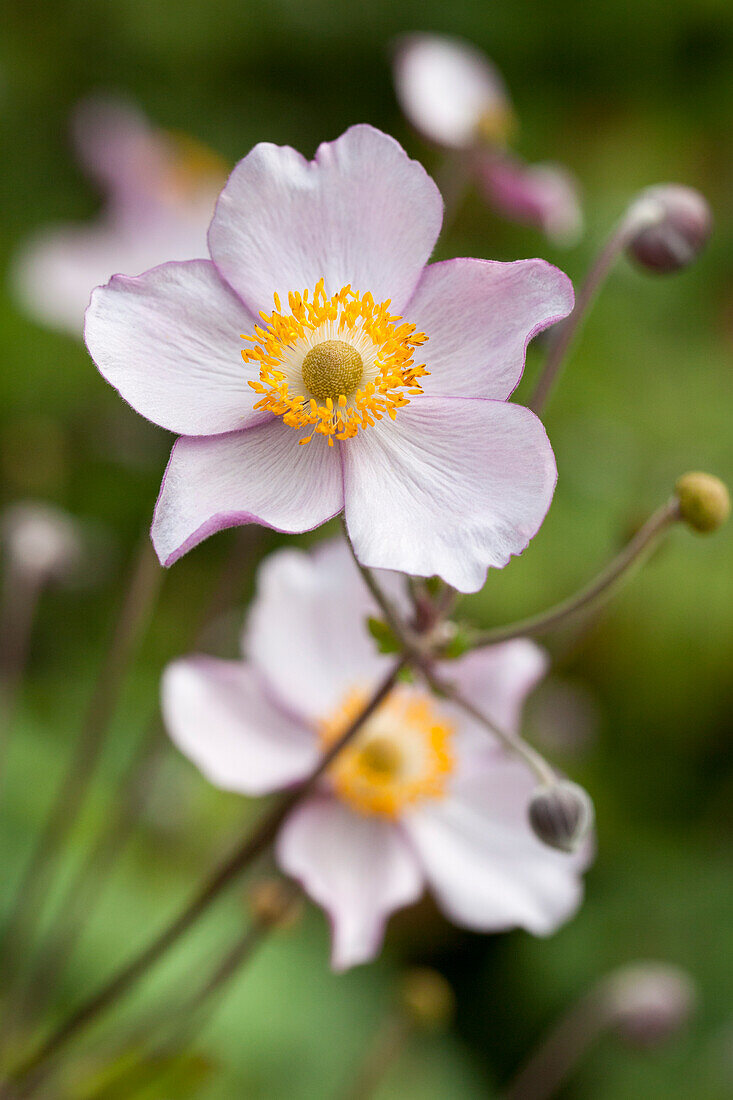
{"x":625,"y":96}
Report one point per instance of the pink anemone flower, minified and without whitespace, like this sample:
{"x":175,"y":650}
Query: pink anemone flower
{"x":421,"y":797}
{"x":321,"y":267}
{"x":456,"y":98}
{"x":159,"y":190}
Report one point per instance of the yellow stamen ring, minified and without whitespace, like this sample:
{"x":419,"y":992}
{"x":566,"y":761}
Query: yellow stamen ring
{"x":334,"y":365}
{"x":402,"y":756}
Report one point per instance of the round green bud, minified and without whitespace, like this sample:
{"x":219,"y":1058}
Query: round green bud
{"x":274,"y":903}
{"x":704,"y":502}
{"x":426,"y":998}
{"x":561,"y":815}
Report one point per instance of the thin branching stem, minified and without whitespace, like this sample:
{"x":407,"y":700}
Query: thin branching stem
{"x":34,"y":1070}
{"x":599,"y":589}
{"x":137,"y":606}
{"x":564,"y":333}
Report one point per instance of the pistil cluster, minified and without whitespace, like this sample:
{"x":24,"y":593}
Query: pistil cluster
{"x":334,"y":364}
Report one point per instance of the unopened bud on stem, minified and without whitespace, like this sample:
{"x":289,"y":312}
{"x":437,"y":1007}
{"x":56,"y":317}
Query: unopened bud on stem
{"x":274,"y":903}
{"x":648,"y":1002}
{"x":426,"y":998}
{"x":561,"y":815}
{"x":704,"y":502}
{"x":669,"y":225}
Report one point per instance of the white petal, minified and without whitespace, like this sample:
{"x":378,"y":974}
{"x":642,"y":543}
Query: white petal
{"x":444,"y":86}
{"x":361,"y":213}
{"x":481,"y":859}
{"x":261,"y":475}
{"x":450,"y":487}
{"x":499,"y":678}
{"x":170,"y":342}
{"x":359,"y":869}
{"x":479,"y":317}
{"x":306,"y":630}
{"x":219,"y":716}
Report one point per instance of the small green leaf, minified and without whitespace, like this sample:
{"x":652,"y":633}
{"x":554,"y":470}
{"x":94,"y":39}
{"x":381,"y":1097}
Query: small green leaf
{"x":459,"y":644}
{"x":384,"y":636}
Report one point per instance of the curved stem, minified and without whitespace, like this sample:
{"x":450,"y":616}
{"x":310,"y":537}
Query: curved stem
{"x":391,"y":615}
{"x":559,"y":1052}
{"x":20,"y":595}
{"x":385,"y":1048}
{"x":86,"y":886}
{"x":512,"y":742}
{"x":600,"y":588}
{"x":181,"y":1022}
{"x":564,"y":333}
{"x":136,"y":608}
{"x":421,"y":660}
{"x":34,"y":1069}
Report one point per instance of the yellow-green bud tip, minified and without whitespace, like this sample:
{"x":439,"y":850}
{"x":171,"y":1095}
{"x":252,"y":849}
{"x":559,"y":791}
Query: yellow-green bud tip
{"x":274,"y":903}
{"x":427,"y":999}
{"x":704,"y":501}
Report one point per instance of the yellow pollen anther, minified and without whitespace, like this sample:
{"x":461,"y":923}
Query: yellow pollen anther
{"x":334,"y":365}
{"x":332,"y":369}
{"x":402,"y":755}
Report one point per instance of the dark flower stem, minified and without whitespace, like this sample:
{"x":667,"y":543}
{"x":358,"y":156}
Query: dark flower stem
{"x":182,"y":1021}
{"x":564,"y":333}
{"x":34,"y":1070}
{"x":136,"y":609}
{"x":86,"y":887}
{"x":599,"y":589}
{"x":20,"y":596}
{"x":424,"y":662}
{"x":549,"y":1066}
{"x":385,"y":1049}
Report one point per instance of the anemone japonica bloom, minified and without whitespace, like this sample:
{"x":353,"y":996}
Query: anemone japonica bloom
{"x":456,"y":98}
{"x":321,"y":266}
{"x":421,"y":797}
{"x":159,"y":190}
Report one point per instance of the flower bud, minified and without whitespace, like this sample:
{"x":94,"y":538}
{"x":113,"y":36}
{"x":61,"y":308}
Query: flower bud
{"x":669,"y":227}
{"x":648,"y":1002}
{"x":42,"y":541}
{"x":561,"y":815}
{"x":704,"y":502}
{"x":426,"y":998}
{"x":274,"y":903}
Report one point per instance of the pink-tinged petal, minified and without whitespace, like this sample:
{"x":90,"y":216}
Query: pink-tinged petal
{"x":116,"y":144}
{"x":479,"y":317}
{"x":445,"y":86}
{"x":361,"y":213}
{"x":261,"y":475}
{"x":499,"y":678}
{"x":451,"y":487}
{"x":359,"y":869}
{"x":306,"y":631}
{"x":481,"y":859}
{"x":218,"y":715}
{"x":543,"y":195}
{"x":170,"y":342}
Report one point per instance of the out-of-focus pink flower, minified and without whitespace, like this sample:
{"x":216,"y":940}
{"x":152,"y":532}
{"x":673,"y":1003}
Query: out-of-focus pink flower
{"x":543,"y":195}
{"x":159,"y":190}
{"x":456,"y":98}
{"x":450,"y":91}
{"x":421,"y":797}
{"x":435,"y":471}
